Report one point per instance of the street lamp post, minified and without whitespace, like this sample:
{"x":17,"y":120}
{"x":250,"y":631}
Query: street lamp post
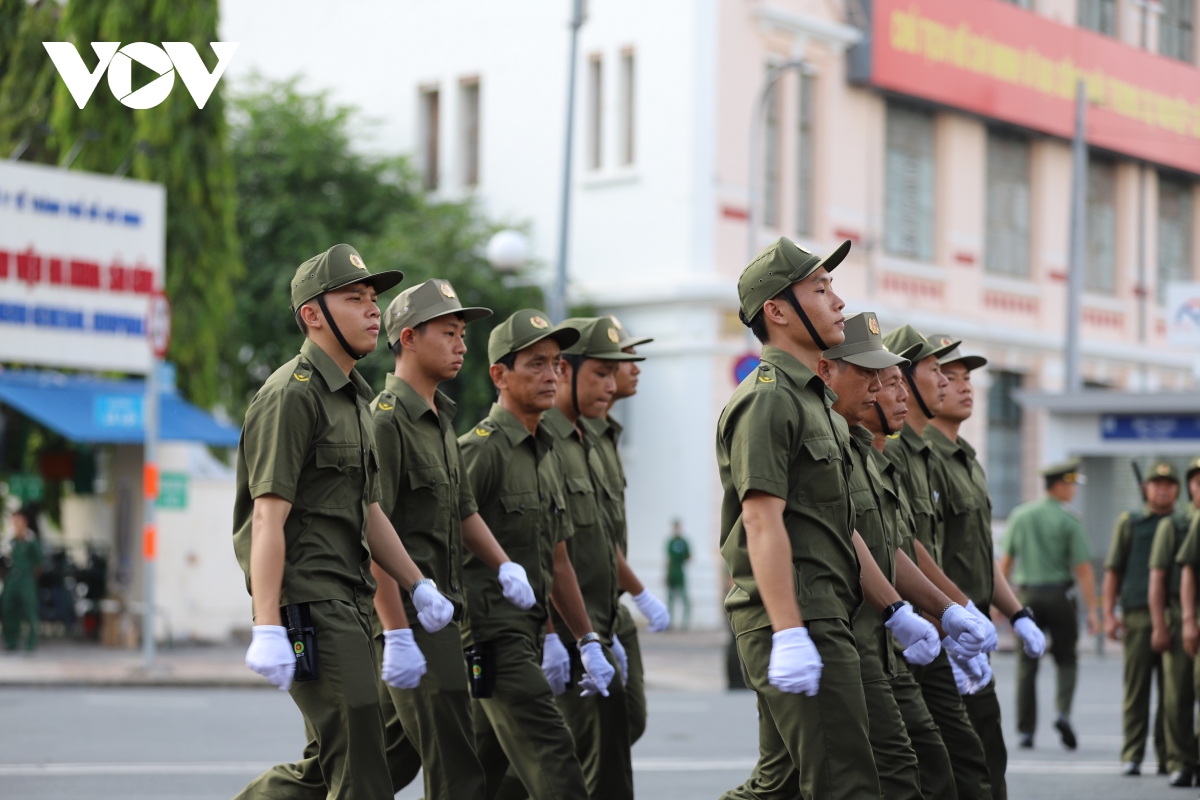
{"x":1079,"y":151}
{"x":558,"y":298}
{"x":760,"y":108}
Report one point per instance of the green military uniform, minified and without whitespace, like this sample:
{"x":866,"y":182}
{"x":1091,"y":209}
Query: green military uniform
{"x":19,"y":603}
{"x":1047,"y":541}
{"x":777,"y":435}
{"x":969,"y":562}
{"x":678,"y":553}
{"x":917,"y":471}
{"x":601,"y":725}
{"x":517,"y":483}
{"x":1179,"y":694}
{"x":308,"y":439}
{"x":1129,"y":557}
{"x":1189,"y":556}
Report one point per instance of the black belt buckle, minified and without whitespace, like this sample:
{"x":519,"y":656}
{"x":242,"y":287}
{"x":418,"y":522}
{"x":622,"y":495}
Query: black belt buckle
{"x":303,"y":637}
{"x":481,"y":658}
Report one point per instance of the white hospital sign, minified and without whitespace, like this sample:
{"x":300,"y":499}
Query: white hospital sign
{"x":1183,"y":314}
{"x":81,"y":256}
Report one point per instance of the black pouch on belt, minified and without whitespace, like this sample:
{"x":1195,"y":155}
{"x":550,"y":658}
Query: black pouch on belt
{"x":481,"y":658}
{"x":303,"y":637}
{"x":576,"y":663}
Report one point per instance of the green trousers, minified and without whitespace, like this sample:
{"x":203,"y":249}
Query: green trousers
{"x":521,"y":728}
{"x":342,"y":716}
{"x":825,"y":737}
{"x":1057,"y":616}
{"x":1179,"y":699}
{"x":19,"y":607}
{"x":1142,"y":668}
{"x":983,"y":708}
{"x":936,"y":770}
{"x":600,"y":726}
{"x":678,"y":593}
{"x":635,"y":683}
{"x":949,"y":712}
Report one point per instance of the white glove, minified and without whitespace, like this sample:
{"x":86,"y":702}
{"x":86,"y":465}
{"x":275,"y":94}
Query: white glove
{"x":515,"y":584}
{"x":556,"y":663}
{"x":963,"y":660}
{"x":916,"y":635}
{"x":966,"y":685}
{"x":963,"y":627}
{"x":989,"y":627}
{"x":434,"y":611}
{"x":403,"y":661}
{"x":985,"y":669}
{"x":1031,"y":637}
{"x":271,"y":655}
{"x":795,"y":665}
{"x":654,"y":611}
{"x":599,"y":673}
{"x":622,"y":659}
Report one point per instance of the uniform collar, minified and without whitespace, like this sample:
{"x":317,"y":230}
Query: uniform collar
{"x":331,"y":373}
{"x":942,"y":443}
{"x":615,"y":426}
{"x":909,"y":435}
{"x":558,"y":425}
{"x":864,"y":436}
{"x":507,"y":422}
{"x":796,"y":370}
{"x":414,"y":404}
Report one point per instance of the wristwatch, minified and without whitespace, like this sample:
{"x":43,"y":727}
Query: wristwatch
{"x":1024,"y":612}
{"x":893,"y":608}
{"x":590,"y":636}
{"x":421,"y":583}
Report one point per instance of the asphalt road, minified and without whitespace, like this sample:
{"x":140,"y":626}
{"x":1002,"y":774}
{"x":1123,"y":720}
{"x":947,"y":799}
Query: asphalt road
{"x":64,"y":744}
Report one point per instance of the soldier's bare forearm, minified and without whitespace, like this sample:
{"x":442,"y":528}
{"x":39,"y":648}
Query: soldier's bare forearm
{"x":267,"y":550}
{"x":1085,"y":576}
{"x":627,"y":579}
{"x":1003,"y":597}
{"x":918,"y":589}
{"x":770,"y":553}
{"x":565,"y":594}
{"x":933,"y":572}
{"x":387,"y":551}
{"x":388,"y":603}
{"x":1187,"y":593}
{"x":877,"y":589}
{"x":1158,"y":598}
{"x":1112,"y":585}
{"x":478,"y":538}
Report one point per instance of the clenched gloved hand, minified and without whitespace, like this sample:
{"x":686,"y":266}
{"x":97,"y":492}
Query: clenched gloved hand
{"x":622,"y":659}
{"x":989,"y":627}
{"x":403,"y":661}
{"x":271,"y":655}
{"x":598,"y":673}
{"x":965,"y":629}
{"x":1032,"y":637}
{"x":515,"y":584}
{"x":654,"y":610}
{"x":556,"y":663}
{"x":795,"y":665}
{"x":434,"y":611}
{"x":917,"y":636}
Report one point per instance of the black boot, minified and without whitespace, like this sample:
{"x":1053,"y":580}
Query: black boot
{"x":1066,"y":733}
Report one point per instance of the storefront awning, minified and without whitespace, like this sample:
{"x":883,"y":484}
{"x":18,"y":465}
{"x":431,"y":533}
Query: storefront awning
{"x":84,"y":408}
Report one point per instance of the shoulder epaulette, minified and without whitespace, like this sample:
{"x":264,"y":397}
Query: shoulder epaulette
{"x":764,"y":376}
{"x":484,"y":429}
{"x":384,"y":403}
{"x":301,"y":375}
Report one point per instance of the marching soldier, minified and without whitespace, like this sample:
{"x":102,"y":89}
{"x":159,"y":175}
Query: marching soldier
{"x":967,"y":553}
{"x":1047,"y":541}
{"x":1127,"y":577}
{"x":1166,"y":636}
{"x":307,"y":525}
{"x":517,"y":482}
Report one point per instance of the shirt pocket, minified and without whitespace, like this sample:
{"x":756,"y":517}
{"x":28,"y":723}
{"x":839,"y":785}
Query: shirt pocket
{"x":822,"y":481}
{"x":340,"y":481}
{"x":581,"y":500}
{"x":426,"y":486}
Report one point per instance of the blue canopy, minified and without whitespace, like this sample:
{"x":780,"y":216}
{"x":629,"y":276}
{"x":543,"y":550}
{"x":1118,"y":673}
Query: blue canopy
{"x":84,"y":408}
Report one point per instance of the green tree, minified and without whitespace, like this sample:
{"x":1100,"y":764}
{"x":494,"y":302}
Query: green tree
{"x":302,"y":188}
{"x":27,"y":78}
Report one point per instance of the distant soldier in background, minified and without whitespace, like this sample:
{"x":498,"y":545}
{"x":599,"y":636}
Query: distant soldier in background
{"x":1047,"y":541}
{"x":19,"y":603}
{"x":1127,"y":576}
{"x":679,"y":552}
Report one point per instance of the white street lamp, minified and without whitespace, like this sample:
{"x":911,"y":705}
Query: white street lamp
{"x":508,"y":250}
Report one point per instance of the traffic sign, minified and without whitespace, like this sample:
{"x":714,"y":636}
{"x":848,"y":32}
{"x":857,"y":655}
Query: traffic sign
{"x":744,"y":366}
{"x":158,"y":324}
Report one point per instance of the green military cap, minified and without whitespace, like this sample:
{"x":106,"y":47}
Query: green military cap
{"x":970,"y":362}
{"x":1162,"y":471}
{"x":598,"y":338}
{"x":524,"y":328}
{"x":863,"y":345}
{"x":423,"y":302}
{"x":337,"y":267}
{"x":779,"y":266}
{"x":908,"y":342}
{"x":627,"y":339}
{"x":1193,"y":468}
{"x":1066,"y":471}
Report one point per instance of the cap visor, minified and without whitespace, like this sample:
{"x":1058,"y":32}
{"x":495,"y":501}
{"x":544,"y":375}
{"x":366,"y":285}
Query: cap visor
{"x":970,"y":362}
{"x":943,"y":351}
{"x":615,"y":357}
{"x":565,"y":336}
{"x":875,"y":359}
{"x":831,"y":261}
{"x":468,"y":315}
{"x":634,"y":342}
{"x":910,"y":354}
{"x":382,"y":281}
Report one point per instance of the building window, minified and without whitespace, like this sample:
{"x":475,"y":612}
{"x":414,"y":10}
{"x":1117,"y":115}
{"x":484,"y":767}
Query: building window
{"x":909,"y":190}
{"x":595,"y":118}
{"x":771,"y":159}
{"x":469,"y":124}
{"x":1174,"y":232}
{"x":1007,"y":235}
{"x":804,"y":157}
{"x":627,"y":107}
{"x":430,"y":114}
{"x":1175,"y":29}
{"x":1098,"y":15}
{"x":1004,"y":467}
{"x":1101,"y":272}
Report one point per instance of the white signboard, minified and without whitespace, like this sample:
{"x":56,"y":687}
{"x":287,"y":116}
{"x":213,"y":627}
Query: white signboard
{"x":1183,"y":314}
{"x":81,"y":255}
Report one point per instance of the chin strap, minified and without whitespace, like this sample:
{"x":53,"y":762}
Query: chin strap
{"x":791,"y":296}
{"x":883,"y":423}
{"x":337,"y":332}
{"x":912,"y":385}
{"x":575,"y":387}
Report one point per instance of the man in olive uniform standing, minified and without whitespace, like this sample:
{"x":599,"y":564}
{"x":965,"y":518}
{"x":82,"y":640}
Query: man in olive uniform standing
{"x":1166,"y":635}
{"x":967,"y":555}
{"x":19,"y":603}
{"x":916,"y":466}
{"x":1188,"y":561}
{"x":517,"y":483}
{"x":1127,"y":577}
{"x":307,"y":525}
{"x":1047,"y":541}
{"x":786,"y":526}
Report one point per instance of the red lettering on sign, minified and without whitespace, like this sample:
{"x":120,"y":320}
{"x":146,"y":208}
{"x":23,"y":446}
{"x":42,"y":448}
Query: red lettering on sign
{"x":143,"y":281}
{"x":3,"y":263}
{"x":117,"y":279}
{"x":85,"y":274}
{"x":56,"y":270}
{"x":29,"y":267}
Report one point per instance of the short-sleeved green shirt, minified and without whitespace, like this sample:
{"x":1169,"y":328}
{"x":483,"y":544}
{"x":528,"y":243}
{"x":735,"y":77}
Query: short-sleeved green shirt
{"x":308,"y":439}
{"x":914,"y":462}
{"x":777,"y":435}
{"x":1168,"y":537}
{"x":876,"y":518}
{"x":1047,"y":541}
{"x":605,"y":433}
{"x":26,"y":559}
{"x":422,"y":486}
{"x":593,"y":547}
{"x":1189,"y":549}
{"x":517,"y":483}
{"x":889,"y":473}
{"x":1129,"y":555}
{"x":959,"y":484}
